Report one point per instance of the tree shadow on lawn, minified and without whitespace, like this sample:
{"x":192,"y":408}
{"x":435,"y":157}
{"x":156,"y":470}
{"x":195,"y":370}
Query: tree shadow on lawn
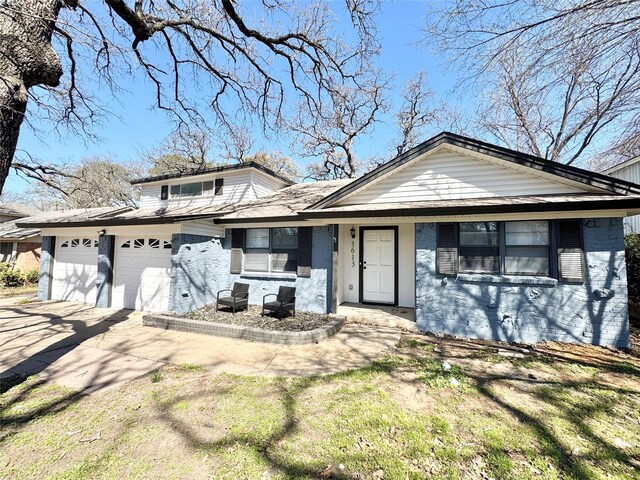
{"x":553,"y":445}
{"x":37,"y":362}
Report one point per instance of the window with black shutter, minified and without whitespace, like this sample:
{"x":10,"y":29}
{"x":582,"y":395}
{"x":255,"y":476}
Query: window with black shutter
{"x":164,"y":192}
{"x":570,"y":251}
{"x":219,"y":185}
{"x":304,"y":251}
{"x":237,"y":244}
{"x":447,"y":250}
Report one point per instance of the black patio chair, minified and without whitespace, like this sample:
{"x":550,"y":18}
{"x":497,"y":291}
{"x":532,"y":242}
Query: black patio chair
{"x":285,"y":302}
{"x":239,"y":297}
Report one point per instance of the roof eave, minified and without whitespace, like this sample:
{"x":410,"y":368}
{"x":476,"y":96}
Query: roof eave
{"x":627,"y":203}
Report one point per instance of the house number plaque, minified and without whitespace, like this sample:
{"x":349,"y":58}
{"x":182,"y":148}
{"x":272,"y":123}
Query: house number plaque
{"x":353,"y":253}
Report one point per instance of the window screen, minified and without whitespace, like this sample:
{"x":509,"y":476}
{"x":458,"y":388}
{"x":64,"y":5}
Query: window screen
{"x":527,"y":247}
{"x":479,"y":249}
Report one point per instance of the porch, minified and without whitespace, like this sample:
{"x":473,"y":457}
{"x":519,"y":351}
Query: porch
{"x":379,"y":315}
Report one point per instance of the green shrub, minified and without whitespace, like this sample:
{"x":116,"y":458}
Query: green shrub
{"x":4,"y":267}
{"x":632,"y":250}
{"x":13,"y":278}
{"x":33,"y":276}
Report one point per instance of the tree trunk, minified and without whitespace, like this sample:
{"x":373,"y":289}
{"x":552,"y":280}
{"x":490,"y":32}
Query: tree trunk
{"x":27,"y":59}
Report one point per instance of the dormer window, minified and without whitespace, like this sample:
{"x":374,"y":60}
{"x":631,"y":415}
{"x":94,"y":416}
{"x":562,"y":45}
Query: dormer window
{"x":197,"y":189}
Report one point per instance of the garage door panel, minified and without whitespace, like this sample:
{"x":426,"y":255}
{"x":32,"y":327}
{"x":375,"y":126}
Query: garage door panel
{"x":75,"y":270}
{"x":142,"y":273}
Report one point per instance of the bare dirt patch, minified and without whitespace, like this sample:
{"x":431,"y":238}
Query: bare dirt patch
{"x":251,"y":317}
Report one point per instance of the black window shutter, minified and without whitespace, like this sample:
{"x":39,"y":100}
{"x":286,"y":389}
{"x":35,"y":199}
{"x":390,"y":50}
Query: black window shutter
{"x":305,"y":238}
{"x":219,"y":184}
{"x":570,"y":252}
{"x":237,"y":246}
{"x":164,"y":192}
{"x":447,"y":249}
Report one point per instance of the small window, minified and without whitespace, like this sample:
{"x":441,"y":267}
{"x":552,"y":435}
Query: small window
{"x":479,"y":250}
{"x":95,"y":243}
{"x":207,"y":188}
{"x":6,"y":251}
{"x":154,"y":243}
{"x":191,"y":189}
{"x":257,"y":250}
{"x":219,"y":185}
{"x":175,"y":191}
{"x":75,"y":242}
{"x":126,"y":244}
{"x":86,"y":242}
{"x":527,"y":248}
{"x":138,"y":243}
{"x":166,"y":244}
{"x":65,"y":244}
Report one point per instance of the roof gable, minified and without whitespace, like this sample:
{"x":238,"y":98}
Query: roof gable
{"x":450,"y":166}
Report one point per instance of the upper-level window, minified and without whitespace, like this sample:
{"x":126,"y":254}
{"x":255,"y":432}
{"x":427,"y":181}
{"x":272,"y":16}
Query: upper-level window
{"x":196,"y":189}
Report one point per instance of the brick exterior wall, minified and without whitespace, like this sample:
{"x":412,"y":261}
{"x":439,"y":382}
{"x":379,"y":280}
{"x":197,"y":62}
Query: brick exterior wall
{"x":594,"y":312}
{"x":28,"y":256}
{"x":200,"y":268}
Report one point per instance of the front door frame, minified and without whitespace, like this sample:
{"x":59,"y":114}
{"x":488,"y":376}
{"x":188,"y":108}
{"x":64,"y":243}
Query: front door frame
{"x":395,"y":264}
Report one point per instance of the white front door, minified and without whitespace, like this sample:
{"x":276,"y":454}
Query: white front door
{"x":378,"y":266}
{"x":142,"y":273}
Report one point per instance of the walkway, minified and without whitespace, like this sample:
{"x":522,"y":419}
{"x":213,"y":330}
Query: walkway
{"x":90,"y":349}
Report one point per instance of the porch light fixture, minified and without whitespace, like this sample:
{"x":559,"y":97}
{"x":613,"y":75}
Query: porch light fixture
{"x":353,"y":232}
{"x":102,"y":233}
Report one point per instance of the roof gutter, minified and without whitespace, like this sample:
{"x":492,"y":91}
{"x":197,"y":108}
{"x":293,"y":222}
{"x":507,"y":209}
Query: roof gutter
{"x":627,"y":203}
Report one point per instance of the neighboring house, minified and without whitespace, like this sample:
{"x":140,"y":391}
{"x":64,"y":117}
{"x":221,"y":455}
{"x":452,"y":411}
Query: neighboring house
{"x":19,"y":247}
{"x":482,"y":241}
{"x":629,"y":171}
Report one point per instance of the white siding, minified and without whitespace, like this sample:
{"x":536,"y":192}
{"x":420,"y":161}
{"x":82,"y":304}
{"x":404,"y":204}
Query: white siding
{"x":630,"y":173}
{"x":264,"y":184}
{"x":451,"y":175}
{"x":206,"y":228}
{"x":237,"y":187}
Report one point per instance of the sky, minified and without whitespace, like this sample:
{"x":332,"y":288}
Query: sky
{"x":135,"y":126}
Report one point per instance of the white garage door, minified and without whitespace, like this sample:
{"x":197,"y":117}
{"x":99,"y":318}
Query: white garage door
{"x":75,"y":269}
{"x":142,"y":269}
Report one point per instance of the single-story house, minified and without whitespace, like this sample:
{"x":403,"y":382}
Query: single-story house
{"x":480,"y":240}
{"x":19,"y":247}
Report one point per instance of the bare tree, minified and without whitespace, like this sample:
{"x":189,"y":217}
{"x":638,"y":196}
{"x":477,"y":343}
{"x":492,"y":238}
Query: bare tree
{"x":184,"y":151}
{"x":276,"y":162}
{"x":416,"y":112}
{"x":247,"y":58}
{"x":330,"y":133}
{"x":94,"y":182}
{"x":556,"y":78}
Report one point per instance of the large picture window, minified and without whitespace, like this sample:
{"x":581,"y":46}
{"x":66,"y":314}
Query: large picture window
{"x":510,"y":248}
{"x":271,"y":250}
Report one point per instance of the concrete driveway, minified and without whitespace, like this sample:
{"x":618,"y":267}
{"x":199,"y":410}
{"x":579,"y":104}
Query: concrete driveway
{"x":90,"y":349}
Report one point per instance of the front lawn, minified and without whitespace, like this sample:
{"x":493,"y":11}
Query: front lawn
{"x":28,"y":289}
{"x":556,"y":412}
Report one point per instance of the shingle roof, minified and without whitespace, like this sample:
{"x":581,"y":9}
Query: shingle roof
{"x":10,"y":231}
{"x":17,"y":210}
{"x":283,"y":203}
{"x":70,"y":217}
{"x":219,"y":168}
